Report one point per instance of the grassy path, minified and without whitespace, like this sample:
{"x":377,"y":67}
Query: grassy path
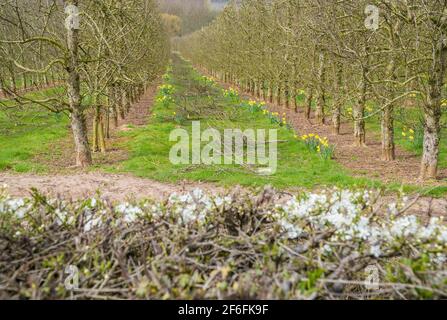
{"x":196,"y":99}
{"x":140,"y":145}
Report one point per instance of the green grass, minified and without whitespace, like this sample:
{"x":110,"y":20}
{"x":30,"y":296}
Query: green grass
{"x":27,"y":131}
{"x":149,"y":146}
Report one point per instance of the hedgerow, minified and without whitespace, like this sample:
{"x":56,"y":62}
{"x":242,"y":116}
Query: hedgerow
{"x":334,"y":244}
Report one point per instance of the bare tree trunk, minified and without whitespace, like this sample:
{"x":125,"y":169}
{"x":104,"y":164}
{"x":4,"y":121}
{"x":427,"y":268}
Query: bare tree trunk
{"x":101,"y":136}
{"x":388,"y":146}
{"x":115,"y":104}
{"x":24,"y":81}
{"x":321,"y":99}
{"x":309,"y":98}
{"x":122,"y":103}
{"x":83,"y":155}
{"x":12,"y":78}
{"x":336,"y":108}
{"x":294,"y":96}
{"x":359,"y":115}
{"x":107,"y":124}
{"x":387,"y":122}
{"x":264,"y":93}
{"x":319,"y":110}
{"x":359,"y":125}
{"x":433,"y":112}
{"x":127,"y":100}
{"x":96,"y":120}
{"x":429,"y":165}
{"x":336,"y":119}
{"x":278,"y":94}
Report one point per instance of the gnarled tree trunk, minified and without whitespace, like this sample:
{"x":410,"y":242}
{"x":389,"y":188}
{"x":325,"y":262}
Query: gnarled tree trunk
{"x":309,"y":98}
{"x":336,"y":107}
{"x":432,"y":110}
{"x":359,"y":114}
{"x":321,"y":99}
{"x":83,"y":155}
{"x":387,"y":124}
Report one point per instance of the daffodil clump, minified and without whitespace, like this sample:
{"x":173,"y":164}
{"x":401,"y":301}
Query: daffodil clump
{"x":368,"y":111}
{"x":301,"y":92}
{"x":178,"y":117}
{"x":166,"y":89}
{"x":408,"y":134}
{"x":349,"y":112}
{"x":165,"y":95}
{"x":320,"y":145}
{"x":165,"y":100}
{"x":231,"y":94}
{"x":253,"y":106}
{"x":168,"y":75}
{"x":207,"y":81}
{"x":414,"y":136}
{"x":277,"y":118}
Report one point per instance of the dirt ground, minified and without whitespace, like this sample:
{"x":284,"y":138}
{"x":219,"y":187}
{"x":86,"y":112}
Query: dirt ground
{"x":112,"y":186}
{"x":120,"y":187}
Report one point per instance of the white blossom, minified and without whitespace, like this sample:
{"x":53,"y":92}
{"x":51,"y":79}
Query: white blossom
{"x":376,"y":251}
{"x":130,"y":213}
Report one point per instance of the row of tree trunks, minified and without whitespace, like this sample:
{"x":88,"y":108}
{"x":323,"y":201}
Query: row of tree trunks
{"x":118,"y":104}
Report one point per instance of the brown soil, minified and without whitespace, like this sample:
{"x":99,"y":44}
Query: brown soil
{"x":112,"y":186}
{"x":120,"y":187}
